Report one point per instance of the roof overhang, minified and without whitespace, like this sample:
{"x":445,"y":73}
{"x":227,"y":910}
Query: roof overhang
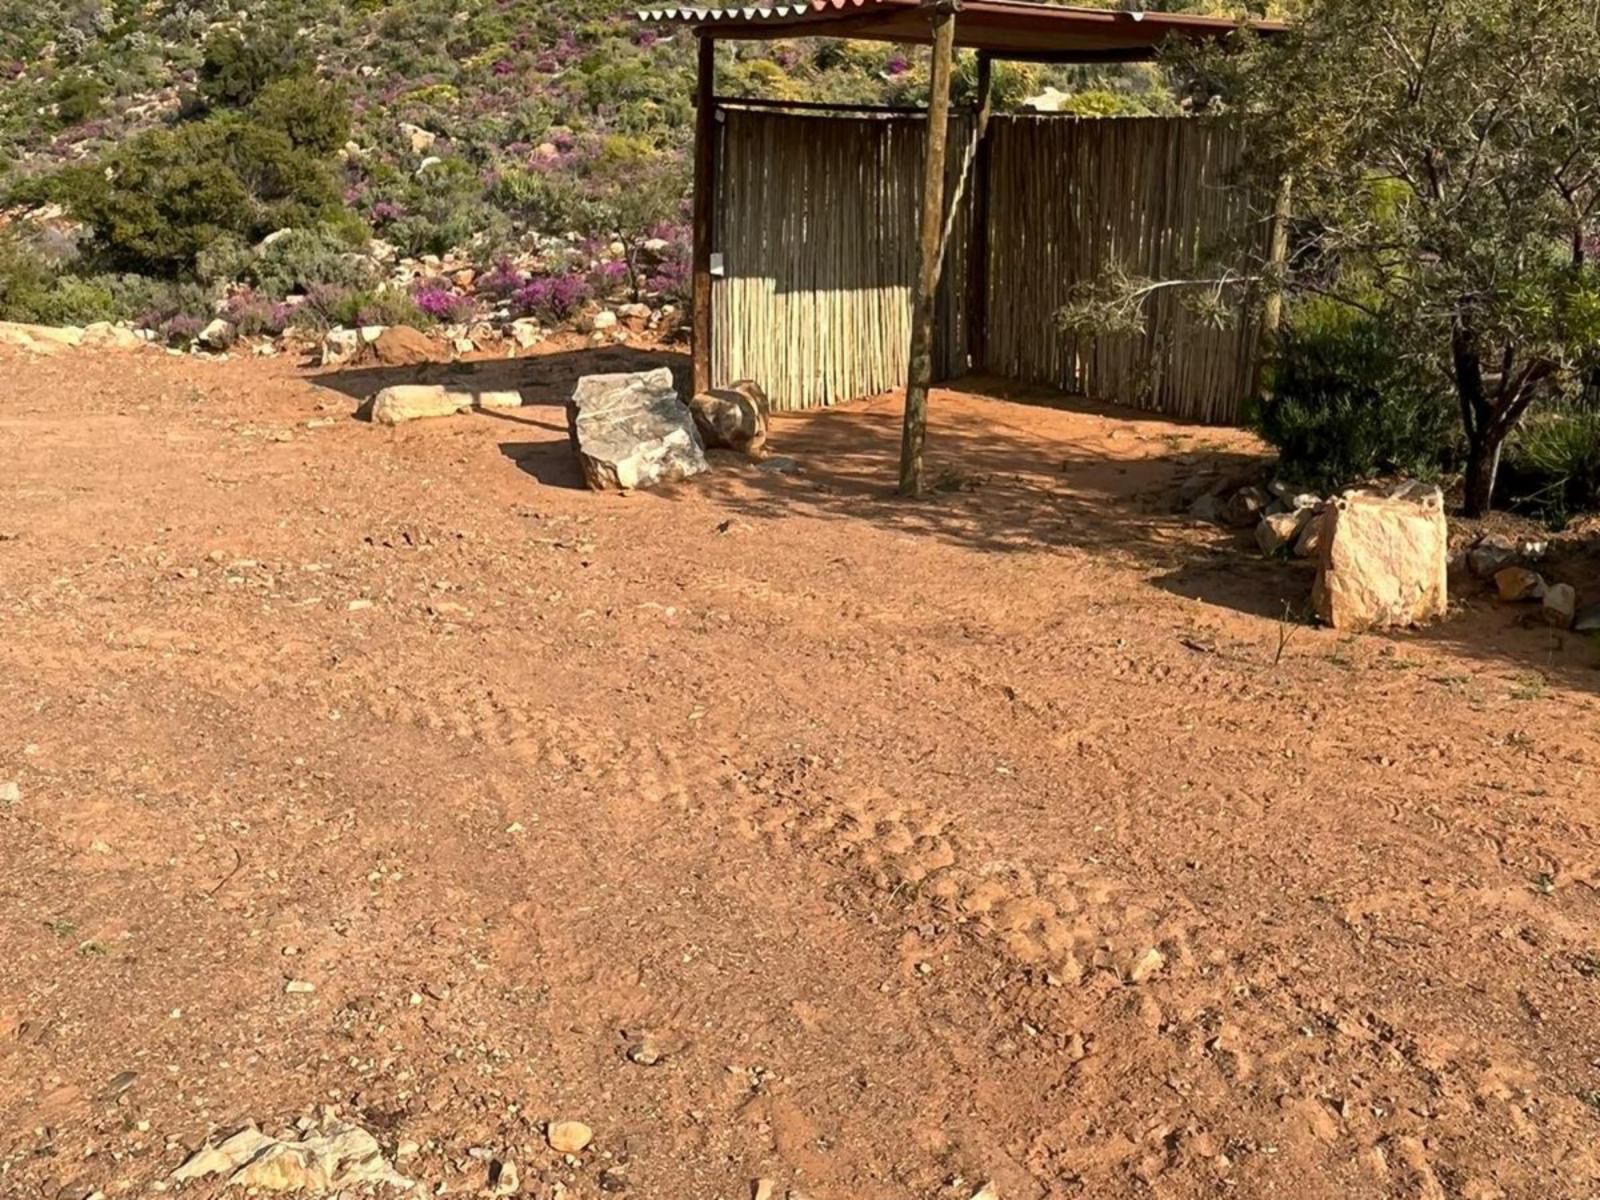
{"x":1018,"y":29}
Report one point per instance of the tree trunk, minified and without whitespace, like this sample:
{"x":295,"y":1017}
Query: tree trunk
{"x":1483,"y":466}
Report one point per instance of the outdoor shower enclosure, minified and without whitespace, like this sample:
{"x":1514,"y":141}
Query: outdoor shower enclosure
{"x":808,"y":237}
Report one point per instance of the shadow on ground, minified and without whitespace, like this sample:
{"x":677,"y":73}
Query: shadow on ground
{"x":1013,"y":469}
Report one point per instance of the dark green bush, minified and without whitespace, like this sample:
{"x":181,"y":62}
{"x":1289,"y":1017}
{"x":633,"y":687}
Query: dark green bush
{"x":1346,"y":405}
{"x":313,"y":115}
{"x":1552,"y":465}
{"x":237,"y":69}
{"x":154,"y":204}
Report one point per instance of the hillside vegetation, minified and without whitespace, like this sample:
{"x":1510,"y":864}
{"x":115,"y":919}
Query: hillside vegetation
{"x":531,"y":148}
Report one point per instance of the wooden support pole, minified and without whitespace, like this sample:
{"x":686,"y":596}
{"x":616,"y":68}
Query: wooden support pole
{"x":978,"y":246}
{"x":926,"y":286}
{"x":1272,"y":305}
{"x":705,"y":209}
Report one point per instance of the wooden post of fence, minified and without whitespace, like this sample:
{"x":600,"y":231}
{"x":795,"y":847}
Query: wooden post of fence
{"x":926,"y":289}
{"x":978,"y":246}
{"x":705,"y":210}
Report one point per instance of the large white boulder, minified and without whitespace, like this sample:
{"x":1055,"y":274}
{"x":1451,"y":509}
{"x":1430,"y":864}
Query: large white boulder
{"x":631,"y":431}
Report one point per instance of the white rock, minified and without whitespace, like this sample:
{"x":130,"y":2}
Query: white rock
{"x":40,"y":339}
{"x":631,"y":430}
{"x":10,"y":793}
{"x":340,"y":346}
{"x":597,"y":322}
{"x":1279,"y":531}
{"x":218,"y":335}
{"x":416,"y":401}
{"x":1560,"y":604}
{"x":421,"y":140}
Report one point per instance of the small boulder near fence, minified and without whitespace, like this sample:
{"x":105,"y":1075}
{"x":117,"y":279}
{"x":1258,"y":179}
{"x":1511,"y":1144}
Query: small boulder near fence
{"x":632,"y":431}
{"x":415,"y":401}
{"x":1382,"y":562}
{"x":734,"y":417}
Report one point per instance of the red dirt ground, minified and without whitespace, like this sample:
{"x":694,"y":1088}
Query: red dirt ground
{"x":868,"y":811}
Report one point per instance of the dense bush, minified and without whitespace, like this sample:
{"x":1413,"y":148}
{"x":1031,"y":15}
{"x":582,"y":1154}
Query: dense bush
{"x":1553,"y":463}
{"x":236,"y":69}
{"x":1345,"y":404}
{"x":300,"y":260}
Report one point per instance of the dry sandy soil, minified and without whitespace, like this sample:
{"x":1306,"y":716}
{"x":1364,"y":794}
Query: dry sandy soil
{"x":868,"y":813}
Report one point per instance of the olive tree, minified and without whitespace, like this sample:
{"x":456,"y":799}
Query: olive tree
{"x":1444,"y":159}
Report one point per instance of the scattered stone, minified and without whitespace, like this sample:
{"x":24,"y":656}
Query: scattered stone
{"x":340,"y":346}
{"x":780,"y":464}
{"x":645,"y":1051}
{"x":1490,"y":554}
{"x":421,"y":140}
{"x":503,"y":1178}
{"x":341,"y":1156}
{"x":598,"y":322}
{"x":1382,"y":563}
{"x":10,"y":793}
{"x":1208,"y":507}
{"x":1146,"y":965}
{"x":217,"y":336}
{"x":1278,"y":531}
{"x":359,"y":605}
{"x":1560,"y":605}
{"x":987,"y":1192}
{"x":1587,"y":619}
{"x":762,"y":1189}
{"x":1244,"y":507}
{"x":630,"y":430}
{"x":734,"y":417}
{"x":1309,"y":543}
{"x":1303,"y":500}
{"x":526,"y":333}
{"x":300,"y":987}
{"x":568,"y":1137}
{"x":402,"y":346}
{"x":613,"y":1179}
{"x":634,"y":316}
{"x":1519,"y":583}
{"x":463,"y":345}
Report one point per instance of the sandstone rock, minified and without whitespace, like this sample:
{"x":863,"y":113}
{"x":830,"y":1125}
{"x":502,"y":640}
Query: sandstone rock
{"x":1560,"y":604}
{"x":504,"y":1180}
{"x":402,"y":346}
{"x":416,"y":401}
{"x":526,"y":333}
{"x":1519,"y":583}
{"x":1418,"y":492}
{"x":568,"y":1137}
{"x":421,"y":140}
{"x":1146,"y":965}
{"x":1309,"y":543}
{"x":1208,"y":507}
{"x":1587,"y":619}
{"x":40,"y":339}
{"x":10,"y":793}
{"x":598,"y":322}
{"x":734,"y":417}
{"x":1278,"y":531}
{"x":630,"y":430}
{"x":340,"y":1156}
{"x":218,"y":335}
{"x":635,"y":316}
{"x":104,"y":335}
{"x":463,"y":345}
{"x":1382,"y":563}
{"x":340,"y":346}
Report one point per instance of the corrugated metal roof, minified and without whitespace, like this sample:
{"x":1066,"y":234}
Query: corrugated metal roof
{"x":1015,"y":28}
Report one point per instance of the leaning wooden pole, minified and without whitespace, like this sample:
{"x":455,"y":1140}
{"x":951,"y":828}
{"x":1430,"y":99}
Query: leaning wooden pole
{"x":926,"y":288}
{"x":705,"y":209}
{"x":978,"y":246}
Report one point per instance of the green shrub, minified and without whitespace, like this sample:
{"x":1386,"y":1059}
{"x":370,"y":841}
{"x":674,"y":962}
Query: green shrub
{"x":156,"y":203}
{"x":301,"y":260}
{"x":236,"y":69}
{"x":78,"y":98}
{"x":1553,"y":464}
{"x":1345,"y":405}
{"x":313,"y":115}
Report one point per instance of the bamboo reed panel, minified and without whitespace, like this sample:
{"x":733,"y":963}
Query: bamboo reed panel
{"x":1072,"y":197}
{"x":816,"y":226}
